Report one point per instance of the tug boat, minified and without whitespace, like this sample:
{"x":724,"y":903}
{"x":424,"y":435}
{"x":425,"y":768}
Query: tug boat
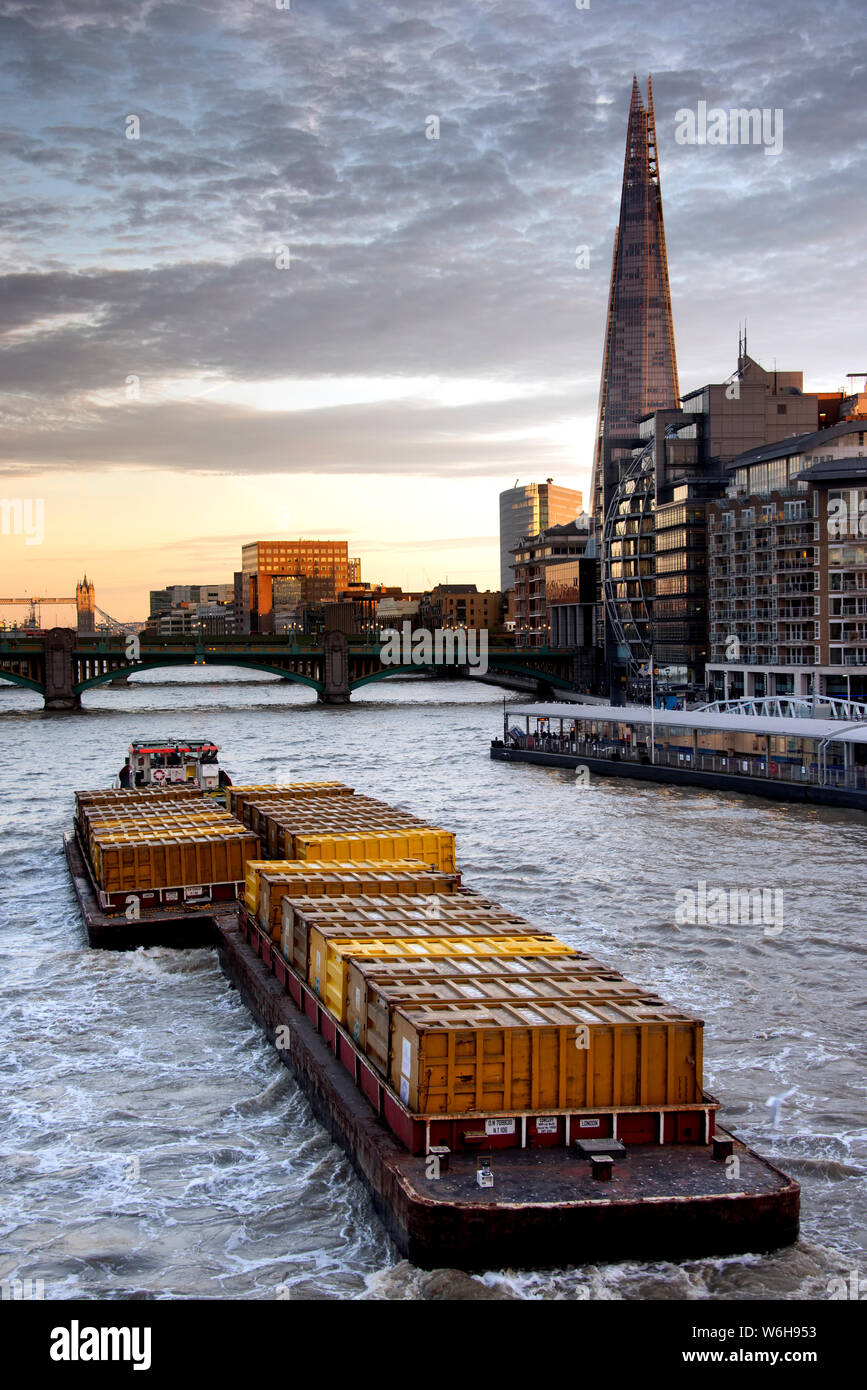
{"x":153,"y":913}
{"x":507,"y":1100}
{"x":166,"y":762}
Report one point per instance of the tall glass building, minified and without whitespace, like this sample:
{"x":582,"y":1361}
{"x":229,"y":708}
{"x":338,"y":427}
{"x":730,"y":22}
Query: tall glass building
{"x":527,"y":510}
{"x":639,"y":366}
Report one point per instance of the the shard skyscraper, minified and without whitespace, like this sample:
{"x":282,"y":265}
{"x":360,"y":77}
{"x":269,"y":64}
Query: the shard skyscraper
{"x":639,"y":368}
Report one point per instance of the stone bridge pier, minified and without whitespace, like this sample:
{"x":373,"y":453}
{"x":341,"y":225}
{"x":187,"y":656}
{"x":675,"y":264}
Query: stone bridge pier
{"x":60,"y":692}
{"x":335,"y":684}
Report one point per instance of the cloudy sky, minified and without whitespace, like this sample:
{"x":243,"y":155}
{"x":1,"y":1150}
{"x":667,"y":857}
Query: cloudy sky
{"x":284,"y":310}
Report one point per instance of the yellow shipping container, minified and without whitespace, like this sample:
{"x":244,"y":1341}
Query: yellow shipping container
{"x":237,"y":796}
{"x":350,"y":871}
{"x":136,"y":795}
{"x":540,"y":1057}
{"x":180,"y":827}
{"x":431,"y":846}
{"x":168,"y":807}
{"x":340,"y":950}
{"x":366,"y":975}
{"x":171,"y":808}
{"x":423,"y":915}
{"x":328,"y":976}
{"x":456,"y":968}
{"x":150,"y":834}
{"x":375,"y":989}
{"x":174,"y":862}
{"x":273,"y":888}
{"x":279,"y":832}
{"x":458,"y":914}
{"x":462,"y":905}
{"x":98,"y":843}
{"x":131,"y":824}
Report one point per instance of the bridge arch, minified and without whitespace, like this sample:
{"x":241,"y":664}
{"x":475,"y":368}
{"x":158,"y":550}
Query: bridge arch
{"x":175,"y":663}
{"x":386,"y":671}
{"x":495,"y":670}
{"x":541,"y":676}
{"x":15,"y":679}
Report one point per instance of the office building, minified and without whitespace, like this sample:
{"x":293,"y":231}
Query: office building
{"x":527,"y":510}
{"x":264,"y":561}
{"x":655,"y":538}
{"x":461,"y":606}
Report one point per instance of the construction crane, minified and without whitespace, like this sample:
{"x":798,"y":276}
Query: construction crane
{"x":34,"y":605}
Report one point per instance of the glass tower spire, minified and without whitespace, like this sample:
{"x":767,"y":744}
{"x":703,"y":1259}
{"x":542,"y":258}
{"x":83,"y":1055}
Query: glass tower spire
{"x":639,"y":368}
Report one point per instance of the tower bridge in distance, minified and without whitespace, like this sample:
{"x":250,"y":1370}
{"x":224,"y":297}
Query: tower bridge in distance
{"x":62,"y":664}
{"x":84,"y":603}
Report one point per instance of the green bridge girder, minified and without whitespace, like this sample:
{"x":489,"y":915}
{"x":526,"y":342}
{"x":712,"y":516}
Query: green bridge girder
{"x":24,"y":661}
{"x":106,"y":676}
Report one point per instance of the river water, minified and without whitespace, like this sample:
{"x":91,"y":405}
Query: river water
{"x":154,"y":1146}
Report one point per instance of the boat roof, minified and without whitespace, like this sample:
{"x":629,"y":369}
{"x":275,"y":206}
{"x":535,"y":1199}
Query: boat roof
{"x":173,"y":745}
{"x":842,"y":730}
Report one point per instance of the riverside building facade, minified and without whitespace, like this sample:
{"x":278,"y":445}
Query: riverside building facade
{"x":788,"y":568}
{"x":655,"y":535}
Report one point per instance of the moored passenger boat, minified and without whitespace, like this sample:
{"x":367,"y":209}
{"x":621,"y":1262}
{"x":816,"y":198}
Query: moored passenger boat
{"x":813,"y":760}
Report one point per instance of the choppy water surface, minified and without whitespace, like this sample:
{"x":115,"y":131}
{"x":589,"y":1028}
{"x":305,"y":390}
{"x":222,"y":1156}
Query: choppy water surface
{"x":154,"y":1146}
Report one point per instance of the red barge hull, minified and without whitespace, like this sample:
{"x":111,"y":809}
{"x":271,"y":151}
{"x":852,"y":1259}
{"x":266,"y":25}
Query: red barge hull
{"x":545,"y":1209}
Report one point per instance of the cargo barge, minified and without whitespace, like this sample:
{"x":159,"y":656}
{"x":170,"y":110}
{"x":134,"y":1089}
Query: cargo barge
{"x":817,"y":761}
{"x":507,"y":1100}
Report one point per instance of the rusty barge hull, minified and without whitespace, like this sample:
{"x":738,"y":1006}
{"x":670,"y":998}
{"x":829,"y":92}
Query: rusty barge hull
{"x":545,"y":1210}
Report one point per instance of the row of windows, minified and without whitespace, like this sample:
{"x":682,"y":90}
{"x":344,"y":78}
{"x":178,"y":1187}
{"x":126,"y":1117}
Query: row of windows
{"x":771,"y":476}
{"x":678,"y":516}
{"x":681,"y":538}
{"x":680,"y":560}
{"x":840,"y":555}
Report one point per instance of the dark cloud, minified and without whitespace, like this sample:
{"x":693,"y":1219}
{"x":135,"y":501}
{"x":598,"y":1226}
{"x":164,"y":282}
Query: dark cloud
{"x":451,"y":257}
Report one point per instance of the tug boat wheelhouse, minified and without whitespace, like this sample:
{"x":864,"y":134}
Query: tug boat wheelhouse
{"x":165,"y":762}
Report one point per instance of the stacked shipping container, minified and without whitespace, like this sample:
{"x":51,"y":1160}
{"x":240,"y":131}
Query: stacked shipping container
{"x":457,"y":1005}
{"x":460,"y":1006}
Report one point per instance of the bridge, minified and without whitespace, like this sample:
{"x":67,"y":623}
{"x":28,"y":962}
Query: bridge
{"x":790,"y":707}
{"x":62,"y":664}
